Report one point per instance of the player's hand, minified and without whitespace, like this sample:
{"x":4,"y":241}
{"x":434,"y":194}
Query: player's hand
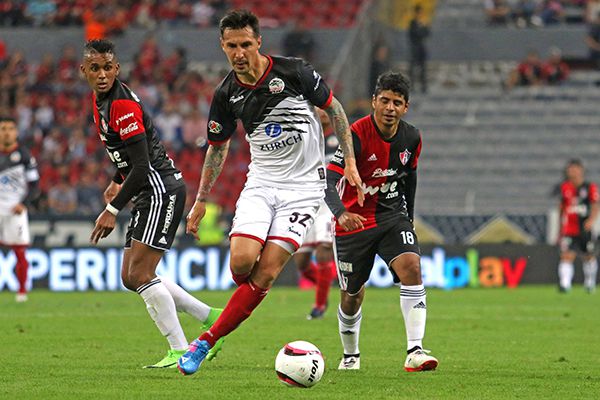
{"x":19,"y":209}
{"x":194,"y":217}
{"x":105,"y":223}
{"x":351,"y":221}
{"x":353,"y":177}
{"x":588,"y":224}
{"x":111,"y":191}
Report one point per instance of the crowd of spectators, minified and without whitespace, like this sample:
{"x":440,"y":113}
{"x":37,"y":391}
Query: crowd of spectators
{"x":533,"y":71}
{"x":52,"y":105}
{"x":538,"y":13}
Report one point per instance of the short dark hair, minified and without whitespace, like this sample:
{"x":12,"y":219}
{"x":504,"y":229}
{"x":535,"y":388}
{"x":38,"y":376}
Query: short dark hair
{"x":575,"y":162}
{"x":239,"y":19}
{"x":101,"y":46}
{"x":394,"y":81}
{"x":6,"y":118}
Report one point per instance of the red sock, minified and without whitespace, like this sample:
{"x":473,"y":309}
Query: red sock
{"x":323,"y":284}
{"x":21,"y":267}
{"x":310,"y":273}
{"x":241,"y":304}
{"x":240,"y":278}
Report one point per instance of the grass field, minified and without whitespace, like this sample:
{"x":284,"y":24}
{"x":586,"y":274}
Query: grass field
{"x":492,"y":344}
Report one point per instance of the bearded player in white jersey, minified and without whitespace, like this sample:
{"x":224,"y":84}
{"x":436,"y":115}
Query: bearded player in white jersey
{"x":275,"y":99}
{"x":18,"y":183}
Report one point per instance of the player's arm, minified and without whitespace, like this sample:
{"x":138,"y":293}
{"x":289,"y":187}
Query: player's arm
{"x":347,"y":220}
{"x":594,"y":209}
{"x":32,"y":177}
{"x":341,"y":127}
{"x":410,"y":181}
{"x":213,"y":165}
{"x":113,"y":187}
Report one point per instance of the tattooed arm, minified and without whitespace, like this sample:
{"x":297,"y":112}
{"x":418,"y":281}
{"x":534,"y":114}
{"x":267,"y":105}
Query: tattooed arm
{"x":213,"y":165}
{"x":342,"y":131}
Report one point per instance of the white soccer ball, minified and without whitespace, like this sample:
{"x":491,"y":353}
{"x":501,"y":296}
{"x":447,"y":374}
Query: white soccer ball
{"x":300,"y":364}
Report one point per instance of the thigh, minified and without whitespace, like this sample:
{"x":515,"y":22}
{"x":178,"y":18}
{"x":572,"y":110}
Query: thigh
{"x":587,"y":243}
{"x":294,"y":216}
{"x":254,"y":212}
{"x":354,"y":258}
{"x":15,"y":229}
{"x":155,"y":220}
{"x":398,"y":239}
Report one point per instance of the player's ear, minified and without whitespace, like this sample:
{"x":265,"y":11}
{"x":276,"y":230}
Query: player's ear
{"x":373,"y":99}
{"x":259,"y":41}
{"x":117,"y":68}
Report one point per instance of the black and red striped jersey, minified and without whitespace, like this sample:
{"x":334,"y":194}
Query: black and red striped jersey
{"x":575,"y":206}
{"x":121,"y":120}
{"x":382,"y":165}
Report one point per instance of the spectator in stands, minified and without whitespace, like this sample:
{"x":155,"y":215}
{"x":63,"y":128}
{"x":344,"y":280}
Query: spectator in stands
{"x":40,"y":12}
{"x":527,"y":73}
{"x":202,"y":14}
{"x":62,"y":197}
{"x":380,"y":63}
{"x":592,"y":40}
{"x":418,"y":32}
{"x":592,"y":10}
{"x":3,"y":55}
{"x":497,"y":12}
{"x":552,"y":12}
{"x":299,"y":42}
{"x":89,"y":194}
{"x":169,"y":123}
{"x":524,"y":13}
{"x":555,"y":70}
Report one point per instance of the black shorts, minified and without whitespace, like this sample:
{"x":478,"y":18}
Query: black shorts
{"x":155,"y":219}
{"x":582,"y":243}
{"x":355,"y":253}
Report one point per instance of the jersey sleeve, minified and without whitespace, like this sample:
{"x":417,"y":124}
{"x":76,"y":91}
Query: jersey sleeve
{"x":31,"y":170}
{"x":314,"y":87}
{"x":126,"y":117}
{"x":415,"y":159}
{"x":221,"y":121}
{"x":593,"y":193}
{"x":337,"y":163}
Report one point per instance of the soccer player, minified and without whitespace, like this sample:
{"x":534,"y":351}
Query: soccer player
{"x":275,"y":99}
{"x":387,"y":150}
{"x":579,"y":210}
{"x":18,"y":184}
{"x":319,"y":239}
{"x":147,"y":176}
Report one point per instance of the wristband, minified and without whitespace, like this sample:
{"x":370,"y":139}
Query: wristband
{"x":111,"y":209}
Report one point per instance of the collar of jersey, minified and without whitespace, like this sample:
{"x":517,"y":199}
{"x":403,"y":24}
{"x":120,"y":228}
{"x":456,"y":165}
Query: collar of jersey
{"x":379,"y":132}
{"x":262,"y":78}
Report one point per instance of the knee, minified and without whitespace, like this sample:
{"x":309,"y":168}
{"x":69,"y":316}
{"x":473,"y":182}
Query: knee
{"x":350,"y":304}
{"x":264,"y":279}
{"x":135,"y":278}
{"x":242,"y":263}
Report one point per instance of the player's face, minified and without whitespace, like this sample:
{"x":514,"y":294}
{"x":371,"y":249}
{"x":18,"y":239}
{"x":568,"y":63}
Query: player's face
{"x":8,"y":133}
{"x":241,"y":48}
{"x":388,"y":108}
{"x":100,"y":70}
{"x":575,"y":174}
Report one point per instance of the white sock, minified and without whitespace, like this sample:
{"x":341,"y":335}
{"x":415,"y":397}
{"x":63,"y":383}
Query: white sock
{"x":161,"y":308}
{"x":414,"y":311}
{"x":349,"y":331}
{"x":590,"y":270}
{"x":185,"y":302}
{"x":565,"y":274}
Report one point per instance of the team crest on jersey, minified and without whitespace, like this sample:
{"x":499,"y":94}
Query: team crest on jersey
{"x":276,"y":85}
{"x":214,"y":127}
{"x":15,"y":157}
{"x":404,"y":156}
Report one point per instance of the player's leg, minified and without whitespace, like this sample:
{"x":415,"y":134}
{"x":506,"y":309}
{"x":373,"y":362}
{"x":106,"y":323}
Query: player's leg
{"x":303,"y":262}
{"x":590,"y":271}
{"x":324,"y":256}
{"x":349,"y":321}
{"x":566,"y":269}
{"x":16,"y":235}
{"x":21,"y":270}
{"x":406,"y":266}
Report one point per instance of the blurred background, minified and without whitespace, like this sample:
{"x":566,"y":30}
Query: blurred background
{"x":504,"y":92}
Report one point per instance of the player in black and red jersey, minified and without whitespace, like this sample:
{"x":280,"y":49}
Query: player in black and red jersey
{"x":578,"y":210}
{"x":147,"y":176}
{"x":387,"y":150}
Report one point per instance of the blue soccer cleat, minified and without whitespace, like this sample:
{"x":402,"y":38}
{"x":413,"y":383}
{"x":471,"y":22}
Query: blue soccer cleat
{"x":191,"y":360}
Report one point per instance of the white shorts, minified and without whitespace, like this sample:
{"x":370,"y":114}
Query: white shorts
{"x":14,"y":229}
{"x":321,"y":231}
{"x":275,"y":214}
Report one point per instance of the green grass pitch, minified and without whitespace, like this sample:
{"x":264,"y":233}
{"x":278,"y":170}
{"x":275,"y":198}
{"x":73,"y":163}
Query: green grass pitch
{"x":530,"y":342}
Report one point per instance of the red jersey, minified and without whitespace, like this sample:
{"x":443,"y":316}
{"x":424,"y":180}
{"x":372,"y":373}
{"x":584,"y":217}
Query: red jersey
{"x":382,"y":164}
{"x":575,"y":206}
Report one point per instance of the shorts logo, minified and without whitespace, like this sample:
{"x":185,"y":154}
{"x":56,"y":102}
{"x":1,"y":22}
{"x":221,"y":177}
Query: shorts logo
{"x":404,"y":156}
{"x":345,"y":266}
{"x":276,"y":85}
{"x":273,"y":130}
{"x":214,"y":127}
{"x":169,"y":214}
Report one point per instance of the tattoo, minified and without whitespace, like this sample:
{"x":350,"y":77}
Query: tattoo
{"x":341,"y":127}
{"x":213,"y":165}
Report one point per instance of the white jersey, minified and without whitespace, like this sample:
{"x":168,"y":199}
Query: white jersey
{"x":17,"y":169}
{"x":281,"y":123}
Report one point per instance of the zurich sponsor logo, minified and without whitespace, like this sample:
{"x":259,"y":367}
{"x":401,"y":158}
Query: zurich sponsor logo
{"x":273,"y":130}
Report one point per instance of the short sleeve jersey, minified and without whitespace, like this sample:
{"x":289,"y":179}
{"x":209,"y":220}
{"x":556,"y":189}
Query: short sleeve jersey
{"x":280,"y":121}
{"x":576,"y":206}
{"x":17,"y":169}
{"x":120,"y":120}
{"x":382,"y":165}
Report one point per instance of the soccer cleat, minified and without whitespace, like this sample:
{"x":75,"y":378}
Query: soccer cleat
{"x":350,"y":362}
{"x":213,"y":315}
{"x":21,"y":297}
{"x":170,"y":361}
{"x":316,"y":313}
{"x":420,"y":360}
{"x":189,"y":362}
{"x":590,"y":289}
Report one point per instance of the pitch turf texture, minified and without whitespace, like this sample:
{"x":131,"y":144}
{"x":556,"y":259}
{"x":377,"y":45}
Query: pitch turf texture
{"x":530,"y":342}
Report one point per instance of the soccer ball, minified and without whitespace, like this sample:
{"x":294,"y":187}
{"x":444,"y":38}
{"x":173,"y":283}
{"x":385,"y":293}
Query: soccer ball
{"x":299,"y":364}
